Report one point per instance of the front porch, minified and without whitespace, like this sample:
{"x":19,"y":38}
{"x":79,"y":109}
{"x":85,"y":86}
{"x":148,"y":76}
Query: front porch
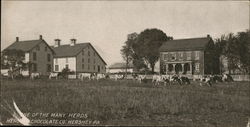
{"x":180,"y":67}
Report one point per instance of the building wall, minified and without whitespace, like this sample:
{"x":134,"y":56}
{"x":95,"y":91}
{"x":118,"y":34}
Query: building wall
{"x":196,"y":61}
{"x":62,"y":62}
{"x":88,"y":61}
{"x":42,"y":50}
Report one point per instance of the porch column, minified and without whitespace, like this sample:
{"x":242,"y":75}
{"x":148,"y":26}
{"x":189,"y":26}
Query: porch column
{"x":182,"y":68}
{"x":173,"y":68}
{"x":190,"y":64}
{"x":166,"y":68}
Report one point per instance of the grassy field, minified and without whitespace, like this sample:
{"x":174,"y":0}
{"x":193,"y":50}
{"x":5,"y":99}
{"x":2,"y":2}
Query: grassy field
{"x":129,"y":103}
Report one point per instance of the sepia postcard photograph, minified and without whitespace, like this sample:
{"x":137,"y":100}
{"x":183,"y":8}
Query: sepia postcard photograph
{"x":125,"y":63}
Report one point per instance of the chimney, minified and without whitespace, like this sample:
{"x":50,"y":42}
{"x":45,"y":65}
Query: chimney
{"x":17,"y":39}
{"x":57,"y":42}
{"x":208,"y":36}
{"x":73,"y":42}
{"x":41,"y":37}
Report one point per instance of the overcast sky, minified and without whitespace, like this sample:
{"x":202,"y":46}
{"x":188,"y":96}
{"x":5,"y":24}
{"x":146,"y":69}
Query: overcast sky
{"x":106,"y":23}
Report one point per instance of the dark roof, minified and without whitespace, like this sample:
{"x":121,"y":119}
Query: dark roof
{"x":24,"y":45}
{"x":67,"y":50}
{"x":120,"y":66}
{"x":185,"y":44}
{"x":71,"y":51}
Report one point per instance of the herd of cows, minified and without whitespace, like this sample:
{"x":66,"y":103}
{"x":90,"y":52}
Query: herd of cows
{"x":156,"y":79}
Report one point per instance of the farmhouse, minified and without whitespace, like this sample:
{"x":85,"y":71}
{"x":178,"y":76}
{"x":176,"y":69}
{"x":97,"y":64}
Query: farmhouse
{"x":37,"y":52}
{"x":78,"y":57}
{"x":120,"y":68}
{"x":187,"y":56}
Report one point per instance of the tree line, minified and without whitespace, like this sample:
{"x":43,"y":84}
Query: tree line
{"x":236,"y":49}
{"x":142,"y":50}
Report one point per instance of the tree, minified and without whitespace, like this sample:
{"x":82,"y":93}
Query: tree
{"x":12,"y":58}
{"x":147,"y":45}
{"x":236,"y":49}
{"x":127,"y":51}
{"x":243,"y":40}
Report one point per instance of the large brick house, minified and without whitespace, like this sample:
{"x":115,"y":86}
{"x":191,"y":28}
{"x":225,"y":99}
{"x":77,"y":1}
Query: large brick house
{"x":38,"y":54}
{"x":78,"y":57}
{"x":187,"y":56}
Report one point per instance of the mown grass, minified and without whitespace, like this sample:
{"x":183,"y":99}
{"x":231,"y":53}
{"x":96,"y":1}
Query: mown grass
{"x":129,"y":103}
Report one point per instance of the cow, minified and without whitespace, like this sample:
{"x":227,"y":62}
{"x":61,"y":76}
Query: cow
{"x":141,"y":78}
{"x":216,"y":78}
{"x":184,"y":80}
{"x":4,"y":72}
{"x":175,"y":78}
{"x":118,"y":76}
{"x":85,"y":76}
{"x":53,"y":75}
{"x":157,"y":79}
{"x":227,"y":78}
{"x":100,"y":76}
{"x":34,"y":75}
{"x":206,"y":79}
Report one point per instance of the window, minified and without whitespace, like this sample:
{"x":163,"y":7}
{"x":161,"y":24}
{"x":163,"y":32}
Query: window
{"x":197,"y":67}
{"x":38,"y":48}
{"x":94,"y":61}
{"x":67,"y":60}
{"x":48,"y":68}
{"x":82,"y":60}
{"x":188,"y":55}
{"x":48,"y":57}
{"x":94,"y":67}
{"x":66,"y":66}
{"x":83,"y":52}
{"x":56,"y":67}
{"x":173,"y":56}
{"x":34,"y":55}
{"x":88,"y":60}
{"x":162,"y":56}
{"x":45,"y":49}
{"x":88,"y":67}
{"x":165,"y":56}
{"x":56,"y":60}
{"x":82,"y":66}
{"x":88,"y":53}
{"x":197,"y":55}
{"x":34,"y":67}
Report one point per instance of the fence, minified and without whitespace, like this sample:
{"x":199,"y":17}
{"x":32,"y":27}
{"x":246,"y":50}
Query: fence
{"x":241,"y":77}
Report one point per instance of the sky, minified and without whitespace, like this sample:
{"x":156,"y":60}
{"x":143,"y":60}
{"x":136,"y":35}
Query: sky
{"x":106,"y":23}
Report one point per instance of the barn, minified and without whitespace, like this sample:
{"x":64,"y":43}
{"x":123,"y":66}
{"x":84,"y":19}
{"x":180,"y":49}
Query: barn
{"x":190,"y":56}
{"x":77,"y":57}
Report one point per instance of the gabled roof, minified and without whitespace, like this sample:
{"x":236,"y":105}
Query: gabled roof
{"x":26,"y":45}
{"x":185,"y":44}
{"x":120,"y":66}
{"x":67,"y":50}
{"x":71,"y":51}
